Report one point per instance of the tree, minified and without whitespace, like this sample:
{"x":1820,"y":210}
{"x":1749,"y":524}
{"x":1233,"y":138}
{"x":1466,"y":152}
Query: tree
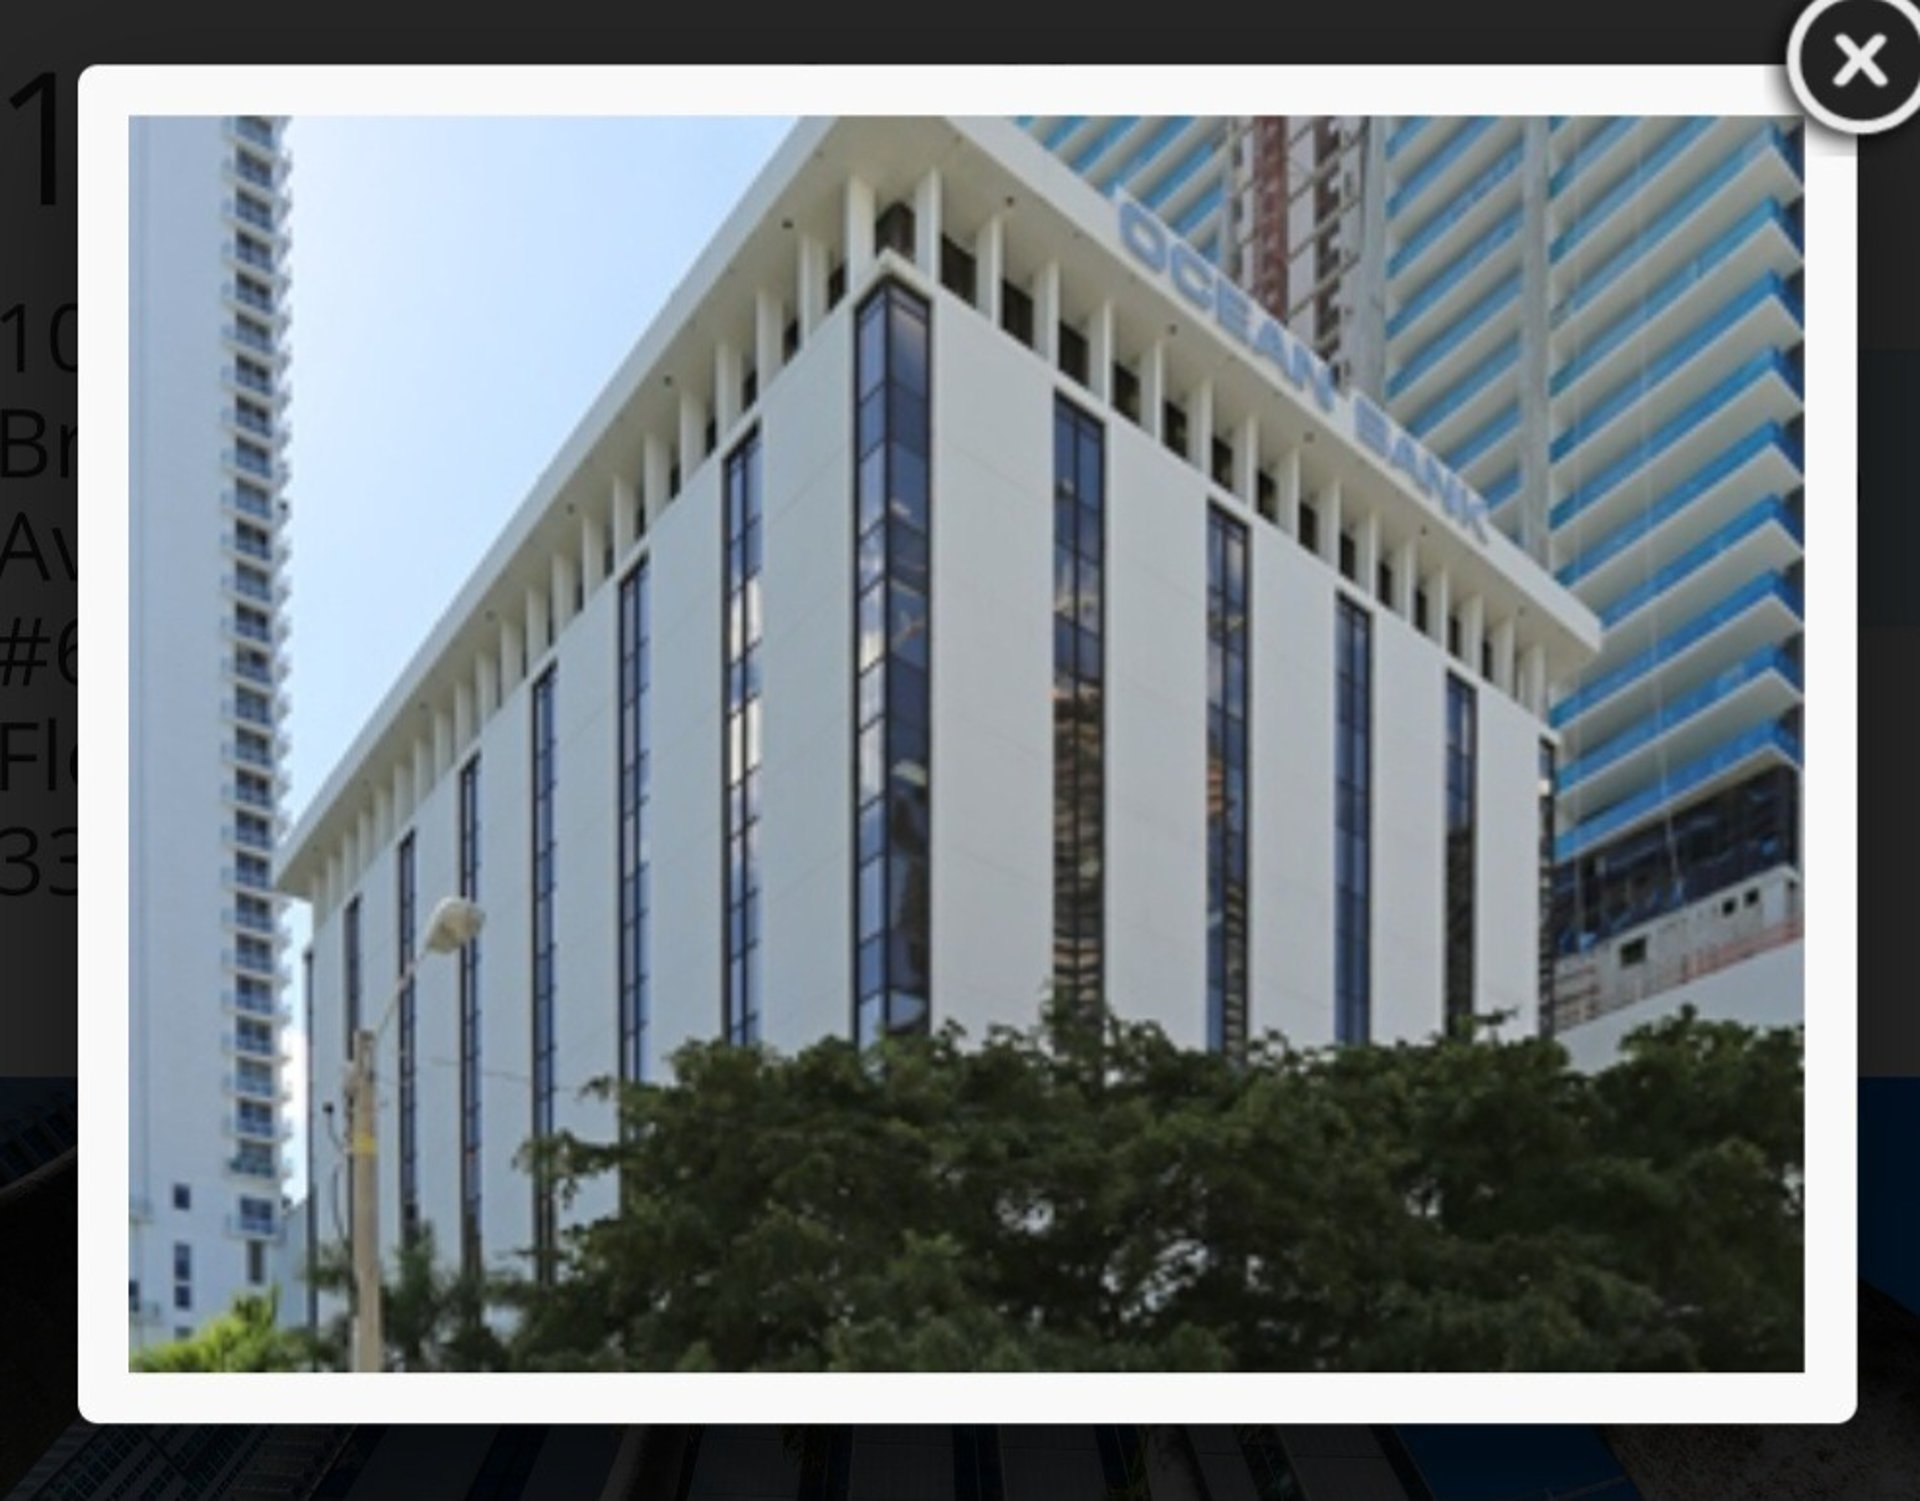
{"x":432,"y":1319}
{"x":247,"y":1337}
{"x":1087,"y":1196}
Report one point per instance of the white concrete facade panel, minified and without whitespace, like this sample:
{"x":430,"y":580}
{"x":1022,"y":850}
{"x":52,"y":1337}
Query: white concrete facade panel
{"x":992,"y":757}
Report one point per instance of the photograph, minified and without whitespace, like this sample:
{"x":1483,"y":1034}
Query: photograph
{"x":1117,"y":744}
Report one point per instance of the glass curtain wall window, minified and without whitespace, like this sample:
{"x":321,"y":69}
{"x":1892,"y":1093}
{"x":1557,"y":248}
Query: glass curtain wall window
{"x":350,"y":946}
{"x":1462,"y":760}
{"x":893,"y":661}
{"x":634,"y":741}
{"x":543,"y":961}
{"x":1547,"y":941}
{"x":741,"y":539}
{"x":469,"y":861}
{"x":1353,"y":818}
{"x":1227,"y":685}
{"x":405,"y":910}
{"x":1079,"y":706}
{"x":350,"y":955}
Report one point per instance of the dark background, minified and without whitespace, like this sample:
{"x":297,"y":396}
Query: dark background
{"x":38,"y":933}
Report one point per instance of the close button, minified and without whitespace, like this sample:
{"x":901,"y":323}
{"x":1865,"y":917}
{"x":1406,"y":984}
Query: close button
{"x":1856,"y":63}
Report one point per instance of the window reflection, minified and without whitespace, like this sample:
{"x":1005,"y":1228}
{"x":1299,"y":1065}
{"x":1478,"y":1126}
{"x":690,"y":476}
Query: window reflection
{"x":1226,"y":784}
{"x":1079,"y":541}
{"x":892,"y":703}
{"x":740,"y":740}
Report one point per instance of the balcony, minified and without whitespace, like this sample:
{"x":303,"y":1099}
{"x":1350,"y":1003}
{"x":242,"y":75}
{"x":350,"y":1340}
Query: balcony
{"x":1502,"y":490}
{"x":256,"y":130}
{"x":1576,"y":158}
{"x":1471,"y":211}
{"x":1763,"y":538}
{"x":271,"y":1051}
{"x":1764,"y":462}
{"x":248,"y":546}
{"x":1467,"y":276}
{"x":1173,"y":191}
{"x":248,"y":755}
{"x":248,"y":874}
{"x":1762,"y":316}
{"x":246,"y":249}
{"x":1752,"y":751}
{"x":1764,"y":611}
{"x":237,"y":1085}
{"x":257,"y":960}
{"x":255,"y":918}
{"x":251,"y":460}
{"x":252,"y":296}
{"x":1474,"y":398}
{"x":1468,"y":147}
{"x":247,"y":418}
{"x":1469,"y":337}
{"x":1409,"y":140}
{"x":1758,"y":689}
{"x":1761,"y":168}
{"x":1765,"y":388}
{"x":1484,"y":443}
{"x":250,"y":336}
{"x":245,"y":583}
{"x":1761,"y":242}
{"x":239,"y":379}
{"x":1652,"y":179}
{"x":254,"y":1169}
{"x":278,"y":1013}
{"x":256,"y":1128}
{"x":247,"y":712}
{"x":253,"y":797}
{"x":255,"y":1229}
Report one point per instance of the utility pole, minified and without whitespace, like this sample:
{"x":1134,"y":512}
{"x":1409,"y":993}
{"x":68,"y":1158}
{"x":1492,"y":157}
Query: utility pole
{"x":363,"y":1156}
{"x":455,"y":921}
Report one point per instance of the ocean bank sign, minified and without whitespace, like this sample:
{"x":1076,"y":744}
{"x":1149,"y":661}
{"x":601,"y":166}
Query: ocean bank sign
{"x":1168,"y":256}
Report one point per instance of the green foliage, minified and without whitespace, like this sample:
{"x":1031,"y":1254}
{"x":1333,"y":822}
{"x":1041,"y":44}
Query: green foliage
{"x":433,"y":1319}
{"x":247,"y":1337}
{"x":1087,"y":1196}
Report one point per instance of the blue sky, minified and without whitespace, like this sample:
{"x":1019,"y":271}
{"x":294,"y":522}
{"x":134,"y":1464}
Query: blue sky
{"x":462,"y":288}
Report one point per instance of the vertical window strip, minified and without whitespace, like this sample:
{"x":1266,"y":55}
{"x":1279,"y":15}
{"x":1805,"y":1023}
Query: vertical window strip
{"x":1461,"y":769}
{"x":893,"y":667}
{"x":405,"y":912}
{"x":469,"y":858}
{"x":1079,"y":707}
{"x":1353,"y":819}
{"x":543,"y":962}
{"x":350,"y":946}
{"x":740,"y":791}
{"x":313,"y":1199}
{"x":1227,"y":792}
{"x":635,"y":735}
{"x":1547,"y":937}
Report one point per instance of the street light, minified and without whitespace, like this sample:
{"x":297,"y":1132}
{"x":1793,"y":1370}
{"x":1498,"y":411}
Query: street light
{"x":455,"y":923}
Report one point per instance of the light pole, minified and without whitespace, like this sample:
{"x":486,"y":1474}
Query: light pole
{"x":454,"y":924}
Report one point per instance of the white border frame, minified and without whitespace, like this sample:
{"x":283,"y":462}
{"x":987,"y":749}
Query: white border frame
{"x":1824,"y":1392}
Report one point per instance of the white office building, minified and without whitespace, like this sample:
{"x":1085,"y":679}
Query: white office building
{"x":208,"y":593}
{"x":1597,"y":321}
{"x":961,"y":591}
